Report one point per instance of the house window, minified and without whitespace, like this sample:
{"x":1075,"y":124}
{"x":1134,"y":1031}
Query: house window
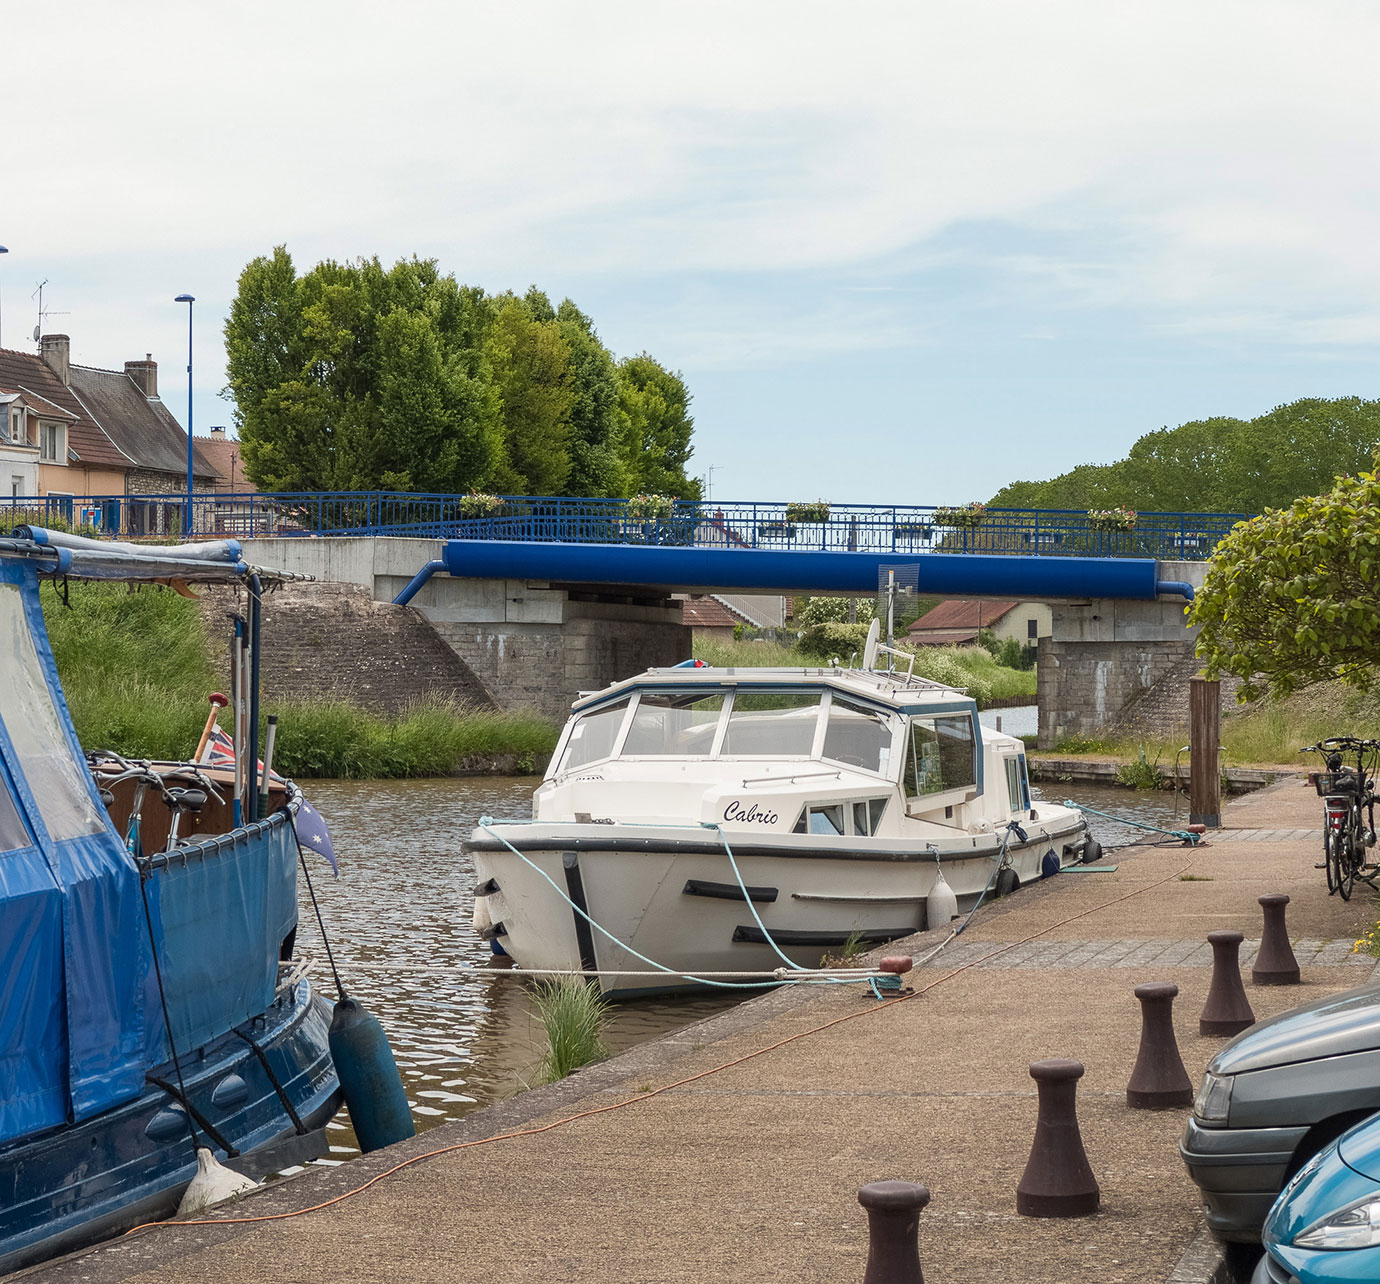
{"x":16,"y":487}
{"x":1032,"y":629}
{"x":50,"y":442}
{"x":17,"y":428}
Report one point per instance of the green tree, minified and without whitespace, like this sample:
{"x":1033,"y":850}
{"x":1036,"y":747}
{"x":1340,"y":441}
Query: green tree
{"x":357,"y":376}
{"x":596,"y":418}
{"x":531,"y":363}
{"x":1222,"y":464}
{"x":1292,"y":597}
{"x":658,"y":428}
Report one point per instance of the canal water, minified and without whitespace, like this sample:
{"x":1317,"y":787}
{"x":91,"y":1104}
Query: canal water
{"x":399,"y":918}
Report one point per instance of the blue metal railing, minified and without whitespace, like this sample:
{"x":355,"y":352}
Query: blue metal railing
{"x":923,"y":530}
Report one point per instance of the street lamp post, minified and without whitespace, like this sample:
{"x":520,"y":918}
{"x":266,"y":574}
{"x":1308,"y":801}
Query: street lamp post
{"x":188,"y":299}
{"x":4,"y":249}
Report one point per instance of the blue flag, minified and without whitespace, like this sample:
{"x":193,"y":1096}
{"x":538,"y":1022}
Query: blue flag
{"x":313,"y":833}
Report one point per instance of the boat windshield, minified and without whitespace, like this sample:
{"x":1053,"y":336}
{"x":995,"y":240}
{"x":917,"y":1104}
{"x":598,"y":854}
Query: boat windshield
{"x":857,"y":736}
{"x":594,"y":734}
{"x":55,"y":776}
{"x":779,"y":724}
{"x":674,"y":724}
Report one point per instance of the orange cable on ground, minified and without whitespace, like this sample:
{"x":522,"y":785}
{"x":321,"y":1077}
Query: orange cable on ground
{"x":656,"y":1092}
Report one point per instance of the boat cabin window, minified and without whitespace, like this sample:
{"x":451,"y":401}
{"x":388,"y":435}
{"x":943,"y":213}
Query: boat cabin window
{"x":781,"y":724}
{"x":823,"y":819}
{"x":868,"y":815}
{"x":1017,"y":790}
{"x":678,"y":724}
{"x":940,"y":756}
{"x":857,"y":736}
{"x":55,"y":776}
{"x":594,"y":734}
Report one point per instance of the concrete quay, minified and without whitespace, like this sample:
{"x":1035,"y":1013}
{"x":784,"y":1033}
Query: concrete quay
{"x":734,"y":1150}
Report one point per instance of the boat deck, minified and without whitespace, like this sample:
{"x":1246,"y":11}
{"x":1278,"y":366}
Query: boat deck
{"x":748,"y":1167}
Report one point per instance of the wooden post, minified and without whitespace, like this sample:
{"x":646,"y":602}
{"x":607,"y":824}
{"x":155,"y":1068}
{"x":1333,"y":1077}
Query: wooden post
{"x":1204,"y":740}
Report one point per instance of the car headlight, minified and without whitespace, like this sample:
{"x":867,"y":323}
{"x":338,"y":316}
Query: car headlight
{"x":1355,"y":1226}
{"x":1214,"y":1098}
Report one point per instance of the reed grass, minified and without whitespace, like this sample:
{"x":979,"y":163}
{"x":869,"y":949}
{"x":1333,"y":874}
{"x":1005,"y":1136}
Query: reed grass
{"x":572,"y":1011}
{"x":136,"y":668}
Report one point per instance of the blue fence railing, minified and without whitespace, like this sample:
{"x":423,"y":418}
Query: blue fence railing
{"x":923,"y":530}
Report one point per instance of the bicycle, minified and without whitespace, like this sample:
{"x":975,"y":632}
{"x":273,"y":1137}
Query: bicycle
{"x":1348,"y":795}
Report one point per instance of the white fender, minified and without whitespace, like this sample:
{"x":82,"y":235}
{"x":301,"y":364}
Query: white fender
{"x":941,"y":905}
{"x":213,"y":1183}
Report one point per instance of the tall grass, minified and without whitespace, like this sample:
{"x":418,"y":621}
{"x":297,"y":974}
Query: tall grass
{"x":960,"y":666}
{"x":1269,"y":733}
{"x":572,"y":1011}
{"x":431,"y":737}
{"x":137,"y":668}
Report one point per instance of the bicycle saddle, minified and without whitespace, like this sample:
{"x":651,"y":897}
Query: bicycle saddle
{"x":192,"y":800}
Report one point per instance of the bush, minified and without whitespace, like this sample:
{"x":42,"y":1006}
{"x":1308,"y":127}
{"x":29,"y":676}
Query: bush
{"x":827,"y":610}
{"x":821,"y":641}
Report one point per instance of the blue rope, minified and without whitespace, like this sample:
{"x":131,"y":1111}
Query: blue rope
{"x":747,"y":896}
{"x":1191,"y":839}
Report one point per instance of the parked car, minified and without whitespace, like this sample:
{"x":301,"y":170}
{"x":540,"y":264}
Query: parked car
{"x":1325,"y":1226}
{"x":1274,"y":1097}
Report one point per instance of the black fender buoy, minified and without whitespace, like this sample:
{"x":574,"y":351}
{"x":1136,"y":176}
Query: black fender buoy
{"x":1050,"y":865}
{"x":1007,"y":881}
{"x":369,"y":1077}
{"x":1092,"y":851}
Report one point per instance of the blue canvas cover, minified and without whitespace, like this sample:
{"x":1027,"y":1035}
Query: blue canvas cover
{"x":219,"y":915}
{"x":72,"y":1027}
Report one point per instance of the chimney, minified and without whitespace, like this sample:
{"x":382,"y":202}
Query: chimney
{"x":57,"y":355}
{"x":145,"y":374}
{"x":217,"y":434}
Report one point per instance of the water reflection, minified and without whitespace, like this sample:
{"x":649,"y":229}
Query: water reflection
{"x":399,"y":918}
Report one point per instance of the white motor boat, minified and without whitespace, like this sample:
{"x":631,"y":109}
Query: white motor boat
{"x":698,"y":824}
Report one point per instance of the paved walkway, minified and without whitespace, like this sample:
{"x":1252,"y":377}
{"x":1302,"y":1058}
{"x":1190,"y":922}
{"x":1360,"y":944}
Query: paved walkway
{"x":734,"y":1150}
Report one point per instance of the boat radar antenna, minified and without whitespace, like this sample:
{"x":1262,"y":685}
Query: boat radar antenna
{"x":894,"y":582}
{"x":869,"y":656}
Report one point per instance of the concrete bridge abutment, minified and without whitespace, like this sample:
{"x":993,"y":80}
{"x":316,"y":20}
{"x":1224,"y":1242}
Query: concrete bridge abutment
{"x":1104,"y":655}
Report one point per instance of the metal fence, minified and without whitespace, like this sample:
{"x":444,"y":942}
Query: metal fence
{"x":911,"y":529}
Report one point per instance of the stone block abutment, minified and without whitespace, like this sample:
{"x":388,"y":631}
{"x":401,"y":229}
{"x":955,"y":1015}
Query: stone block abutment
{"x":1113,"y":664}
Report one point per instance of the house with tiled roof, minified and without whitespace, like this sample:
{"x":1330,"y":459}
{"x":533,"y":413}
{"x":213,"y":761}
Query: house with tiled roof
{"x":222,"y":453}
{"x":83,"y":431}
{"x":959,"y":621}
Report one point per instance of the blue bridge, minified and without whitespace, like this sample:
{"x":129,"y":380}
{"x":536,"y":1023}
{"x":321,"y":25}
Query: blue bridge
{"x":543,"y":597}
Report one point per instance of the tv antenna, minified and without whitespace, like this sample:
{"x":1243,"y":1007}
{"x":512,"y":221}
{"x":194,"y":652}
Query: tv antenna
{"x":43,"y":313}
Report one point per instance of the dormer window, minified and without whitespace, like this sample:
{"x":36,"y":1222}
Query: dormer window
{"x":52,"y":442}
{"x":17,"y":434}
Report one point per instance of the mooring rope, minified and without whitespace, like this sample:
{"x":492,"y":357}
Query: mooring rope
{"x":1185,"y":835}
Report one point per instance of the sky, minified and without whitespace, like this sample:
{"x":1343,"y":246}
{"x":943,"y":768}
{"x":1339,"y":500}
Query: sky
{"x":901,"y":253}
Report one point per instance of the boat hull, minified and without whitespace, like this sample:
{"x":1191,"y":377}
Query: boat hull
{"x":678,"y":901}
{"x":74,"y":1185}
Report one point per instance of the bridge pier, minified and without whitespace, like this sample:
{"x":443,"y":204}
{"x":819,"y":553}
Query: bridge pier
{"x":1104,"y":655}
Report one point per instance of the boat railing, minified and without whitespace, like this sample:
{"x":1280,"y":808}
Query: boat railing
{"x":909,"y":678}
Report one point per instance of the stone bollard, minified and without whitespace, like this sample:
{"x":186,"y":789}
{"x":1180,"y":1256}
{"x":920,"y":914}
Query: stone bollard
{"x":1227,"y":1010}
{"x":1058,"y":1181}
{"x":1159,"y":1080}
{"x":1275,"y":963}
{"x":893,"y":1227}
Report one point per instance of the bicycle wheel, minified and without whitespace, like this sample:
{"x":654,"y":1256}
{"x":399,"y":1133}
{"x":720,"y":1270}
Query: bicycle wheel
{"x":1349,"y":857}
{"x":1331,"y":845}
